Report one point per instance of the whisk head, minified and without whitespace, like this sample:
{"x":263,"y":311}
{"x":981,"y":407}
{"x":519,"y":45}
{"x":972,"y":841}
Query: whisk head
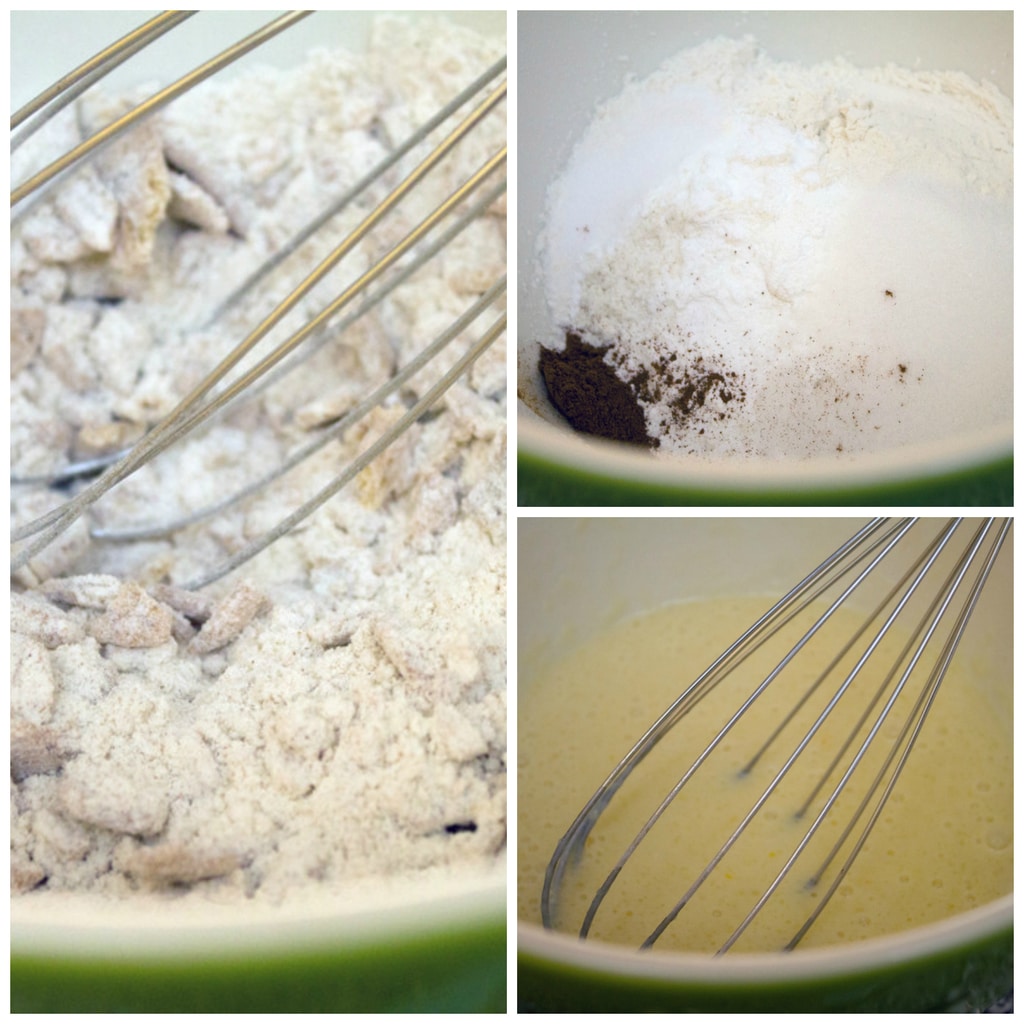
{"x":807,"y":722}
{"x":406,"y":212}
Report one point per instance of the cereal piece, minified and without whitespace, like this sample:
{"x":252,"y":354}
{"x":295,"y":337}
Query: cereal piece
{"x":94,"y":590}
{"x":393,"y":470}
{"x":102,"y":438}
{"x":25,"y":873}
{"x":50,"y":239}
{"x":27,"y":327}
{"x":175,"y":863}
{"x":33,"y":686}
{"x":32,"y":615}
{"x":191,"y":203}
{"x":133,"y":619}
{"x":229,"y":617}
{"x":135,"y":172}
{"x":191,"y":603}
{"x":35,"y":750}
{"x":87,"y":206}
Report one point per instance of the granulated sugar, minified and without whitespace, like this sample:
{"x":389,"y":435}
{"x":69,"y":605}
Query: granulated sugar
{"x":787,"y":261}
{"x":335,"y":710}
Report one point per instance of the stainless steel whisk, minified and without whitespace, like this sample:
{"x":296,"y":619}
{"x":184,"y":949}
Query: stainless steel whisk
{"x":941,"y":571}
{"x":218,"y":390}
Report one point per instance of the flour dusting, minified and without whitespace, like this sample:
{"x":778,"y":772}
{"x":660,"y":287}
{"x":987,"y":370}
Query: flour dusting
{"x":335,"y":710}
{"x":835,"y":242}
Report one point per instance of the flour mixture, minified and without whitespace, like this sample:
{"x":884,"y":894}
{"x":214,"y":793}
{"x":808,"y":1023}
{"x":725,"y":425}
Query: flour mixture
{"x":335,"y":710}
{"x":783,"y":261}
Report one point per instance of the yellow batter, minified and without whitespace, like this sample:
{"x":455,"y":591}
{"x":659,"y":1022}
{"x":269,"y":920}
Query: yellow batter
{"x":942,"y":845}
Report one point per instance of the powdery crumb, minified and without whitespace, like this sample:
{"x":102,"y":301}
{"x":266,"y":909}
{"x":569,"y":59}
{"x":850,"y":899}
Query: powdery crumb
{"x":116,"y":801}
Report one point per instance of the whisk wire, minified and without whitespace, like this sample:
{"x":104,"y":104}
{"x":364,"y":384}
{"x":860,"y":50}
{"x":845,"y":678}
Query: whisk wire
{"x":424,"y":356}
{"x":860,"y":557}
{"x":190,"y":411}
{"x":899,"y":660}
{"x":811,"y":733}
{"x":934,"y":616}
{"x":70,"y":86}
{"x":725,"y":730}
{"x":106,"y":135}
{"x":387,"y":438}
{"x":738,"y":651}
{"x":915,"y":721}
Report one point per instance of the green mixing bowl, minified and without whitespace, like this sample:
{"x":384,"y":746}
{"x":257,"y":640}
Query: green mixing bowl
{"x":568,"y":63}
{"x":959,"y":967}
{"x":397,"y":951}
{"x":578,"y":576}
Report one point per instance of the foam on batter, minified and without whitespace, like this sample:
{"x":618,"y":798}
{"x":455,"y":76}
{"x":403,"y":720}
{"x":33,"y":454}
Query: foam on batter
{"x":942,"y":845}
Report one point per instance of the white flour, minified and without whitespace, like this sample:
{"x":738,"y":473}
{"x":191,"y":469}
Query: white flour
{"x":833,"y":239}
{"x":336,"y":709}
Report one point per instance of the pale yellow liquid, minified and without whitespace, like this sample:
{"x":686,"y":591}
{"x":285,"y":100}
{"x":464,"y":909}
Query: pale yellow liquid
{"x":943,"y":843}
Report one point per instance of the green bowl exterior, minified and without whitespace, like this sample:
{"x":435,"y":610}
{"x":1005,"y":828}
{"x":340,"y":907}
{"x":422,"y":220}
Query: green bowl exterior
{"x":542,"y":482}
{"x":968,"y":978}
{"x":450,"y":972}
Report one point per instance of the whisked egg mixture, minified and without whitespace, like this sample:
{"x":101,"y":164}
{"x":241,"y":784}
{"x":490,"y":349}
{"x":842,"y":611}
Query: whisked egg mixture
{"x":942,"y":845}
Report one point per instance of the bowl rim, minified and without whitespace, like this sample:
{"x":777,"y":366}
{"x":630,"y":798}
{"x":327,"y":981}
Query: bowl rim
{"x":560,"y":447}
{"x":565,"y":951}
{"x":79,"y":926}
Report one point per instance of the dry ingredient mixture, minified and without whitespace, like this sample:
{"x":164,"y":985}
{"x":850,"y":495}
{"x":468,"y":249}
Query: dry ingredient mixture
{"x":335,"y":710}
{"x":784,"y":261}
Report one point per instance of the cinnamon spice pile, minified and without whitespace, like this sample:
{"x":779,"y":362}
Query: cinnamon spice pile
{"x":585,"y":388}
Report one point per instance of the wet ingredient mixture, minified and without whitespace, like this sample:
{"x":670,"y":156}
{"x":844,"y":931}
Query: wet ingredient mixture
{"x":942,"y":845}
{"x":335,"y":710}
{"x":783,"y":261}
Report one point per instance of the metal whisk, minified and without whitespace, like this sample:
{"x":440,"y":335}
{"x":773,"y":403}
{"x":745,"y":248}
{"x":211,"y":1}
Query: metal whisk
{"x":914,"y":585}
{"x":232,"y":380}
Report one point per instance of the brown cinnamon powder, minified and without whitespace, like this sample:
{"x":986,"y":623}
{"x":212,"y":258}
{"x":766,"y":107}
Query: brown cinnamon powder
{"x":585,"y":388}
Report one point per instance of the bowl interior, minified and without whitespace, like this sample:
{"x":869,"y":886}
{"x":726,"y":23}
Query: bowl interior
{"x":65,"y":924}
{"x":73,"y":925}
{"x":565,"y":569}
{"x":40,"y":56}
{"x":571,"y":62}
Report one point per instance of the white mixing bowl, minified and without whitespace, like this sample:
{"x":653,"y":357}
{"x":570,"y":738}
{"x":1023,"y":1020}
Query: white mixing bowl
{"x":570,"y":62}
